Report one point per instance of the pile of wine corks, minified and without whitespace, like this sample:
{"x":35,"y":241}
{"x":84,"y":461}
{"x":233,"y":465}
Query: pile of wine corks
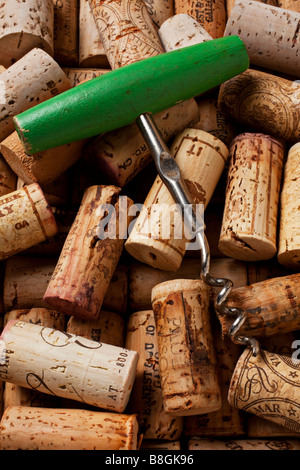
{"x":113,"y":342}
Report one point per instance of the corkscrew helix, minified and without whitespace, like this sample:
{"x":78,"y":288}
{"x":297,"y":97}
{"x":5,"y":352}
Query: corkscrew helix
{"x":169,"y":172}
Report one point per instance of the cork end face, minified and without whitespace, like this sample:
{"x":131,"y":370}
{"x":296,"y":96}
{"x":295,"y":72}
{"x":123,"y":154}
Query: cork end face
{"x":153,"y":257}
{"x":246,"y":247}
{"x":68,"y":307}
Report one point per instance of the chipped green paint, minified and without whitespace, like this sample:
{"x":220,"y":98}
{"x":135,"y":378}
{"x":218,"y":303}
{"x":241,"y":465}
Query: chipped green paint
{"x":118,"y":97}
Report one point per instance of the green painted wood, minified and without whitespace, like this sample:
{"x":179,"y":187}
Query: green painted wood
{"x":117,"y":98}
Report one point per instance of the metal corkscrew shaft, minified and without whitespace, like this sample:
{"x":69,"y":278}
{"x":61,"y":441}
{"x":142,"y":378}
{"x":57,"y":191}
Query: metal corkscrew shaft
{"x":169,"y":172}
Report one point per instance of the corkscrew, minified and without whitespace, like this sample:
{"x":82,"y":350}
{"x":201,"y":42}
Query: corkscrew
{"x":169,"y":173}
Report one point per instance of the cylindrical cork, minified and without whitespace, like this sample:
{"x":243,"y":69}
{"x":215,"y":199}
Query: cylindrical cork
{"x":262,"y":270}
{"x":227,"y":421}
{"x":276,"y":98}
{"x":43,"y":167}
{"x":249,"y":227}
{"x":230,"y":4}
{"x":213,"y":121}
{"x":24,"y":27}
{"x":116,"y":297}
{"x":26,"y":428}
{"x":121,"y":154}
{"x":87,"y":263}
{"x":91,"y":50}
{"x":181,"y":31}
{"x":65,"y":365}
{"x":211,"y":15}
{"x":14,"y":395}
{"x":158,"y":237}
{"x":81,"y":75}
{"x":187,"y":358}
{"x":146,"y":397}
{"x":8,"y":178}
{"x":142,"y":278}
{"x":268,"y":386}
{"x":26,"y":219}
{"x":109,"y":328}
{"x":293,"y":5}
{"x":65,"y":32}
{"x":127,"y":31}
{"x":270,"y":34}
{"x":289,"y":230}
{"x":243,"y":444}
{"x":56,"y":192}
{"x":36,"y":77}
{"x":272,"y":306}
{"x":160,"y":10}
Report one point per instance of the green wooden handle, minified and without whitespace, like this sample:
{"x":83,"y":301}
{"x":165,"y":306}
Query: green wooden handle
{"x":117,"y":98}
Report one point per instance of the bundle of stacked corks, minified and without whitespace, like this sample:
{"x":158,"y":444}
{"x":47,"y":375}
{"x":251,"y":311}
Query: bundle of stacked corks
{"x":111,"y":340}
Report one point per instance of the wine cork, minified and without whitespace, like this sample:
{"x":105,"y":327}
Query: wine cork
{"x":293,"y":5}
{"x":87,"y":263}
{"x":34,"y":78}
{"x":158,"y":237}
{"x":143,"y":278}
{"x":25,"y":27}
{"x":181,"y":31}
{"x":26,"y":220}
{"x":127,"y":31}
{"x":43,"y":167}
{"x":289,"y":230}
{"x":249,"y":227}
{"x":66,"y":365}
{"x":116,"y":297}
{"x":81,"y":75}
{"x":230,"y":4}
{"x":25,"y":428}
{"x":243,"y":444}
{"x":109,"y":328}
{"x":91,"y":50}
{"x":25,"y":281}
{"x":262,"y":270}
{"x":65,"y":32}
{"x":213,"y":121}
{"x":267,"y":386}
{"x":15,"y":395}
{"x":227,"y":421}
{"x":56,"y":192}
{"x":121,"y":154}
{"x":160,"y":10}
{"x":277,"y":99}
{"x":187,"y":359}
{"x":8,"y":179}
{"x":211,"y":15}
{"x":258,"y":25}
{"x":272,"y":306}
{"x":146,"y":397}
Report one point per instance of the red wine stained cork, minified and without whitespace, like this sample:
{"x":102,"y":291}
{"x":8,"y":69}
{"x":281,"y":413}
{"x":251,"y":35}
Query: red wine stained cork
{"x":23,"y":27}
{"x":26,"y":219}
{"x":160,"y":10}
{"x":146,"y":397}
{"x":66,"y":365}
{"x":289,"y":230}
{"x":211,"y":15}
{"x":26,"y":428}
{"x":127,"y":31}
{"x":182,"y":30}
{"x":65,"y":32}
{"x":158,"y":237}
{"x":249,"y":227}
{"x":8,"y":178}
{"x":276,"y":98}
{"x":87,"y":263}
{"x":270,"y":34}
{"x":267,"y":386}
{"x":34,"y":78}
{"x":43,"y":167}
{"x":109,"y":328}
{"x":272,"y":306}
{"x":187,"y":358}
{"x":91,"y":50}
